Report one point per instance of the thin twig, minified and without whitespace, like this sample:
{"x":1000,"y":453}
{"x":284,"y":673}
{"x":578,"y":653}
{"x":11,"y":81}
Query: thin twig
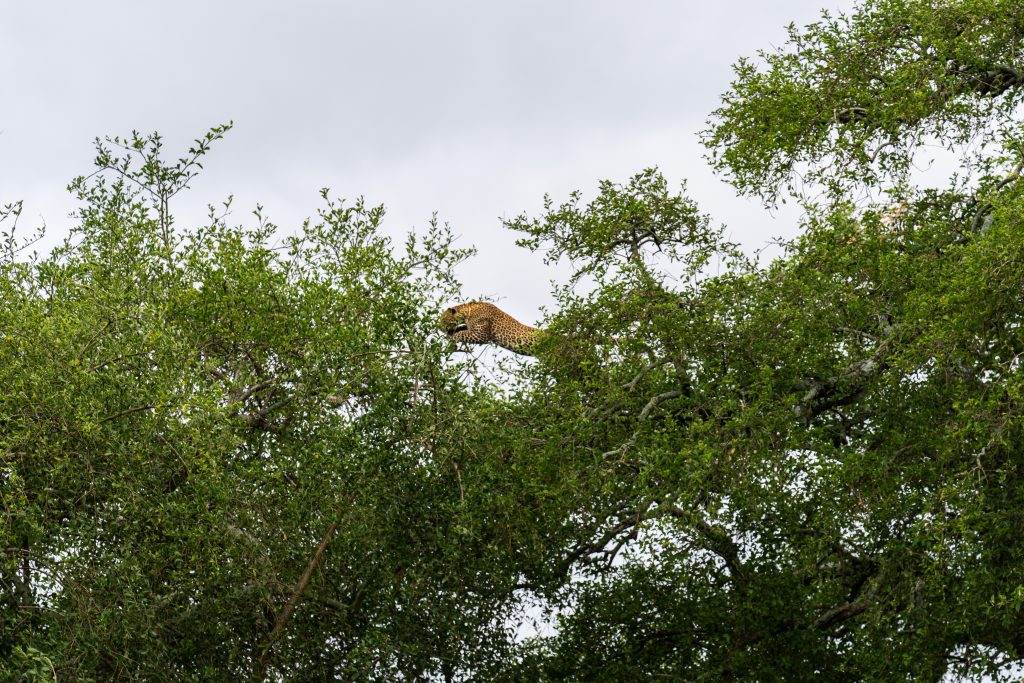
{"x":137,"y":409}
{"x":93,"y":339}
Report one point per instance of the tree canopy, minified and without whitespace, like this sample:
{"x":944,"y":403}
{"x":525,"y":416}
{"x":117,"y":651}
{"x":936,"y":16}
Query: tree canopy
{"x":239,"y":453}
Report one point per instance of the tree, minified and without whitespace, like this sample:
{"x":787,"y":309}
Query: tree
{"x":222,"y":449}
{"x":232,"y":454}
{"x":810,"y":468}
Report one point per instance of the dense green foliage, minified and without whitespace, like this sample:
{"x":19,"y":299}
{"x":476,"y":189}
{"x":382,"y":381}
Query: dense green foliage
{"x":227,"y":453}
{"x":185,"y":415}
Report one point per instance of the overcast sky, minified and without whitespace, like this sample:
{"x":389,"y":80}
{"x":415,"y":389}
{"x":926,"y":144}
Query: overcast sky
{"x":472,"y":109}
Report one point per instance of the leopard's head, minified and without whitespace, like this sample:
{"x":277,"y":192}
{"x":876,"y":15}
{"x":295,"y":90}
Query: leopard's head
{"x":453,"y":320}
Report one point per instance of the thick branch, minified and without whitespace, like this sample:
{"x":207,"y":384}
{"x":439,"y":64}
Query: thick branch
{"x":655,"y":400}
{"x":715,"y":539}
{"x":841,"y":613}
{"x":289,"y":607}
{"x":627,"y":523}
{"x":821,"y":394}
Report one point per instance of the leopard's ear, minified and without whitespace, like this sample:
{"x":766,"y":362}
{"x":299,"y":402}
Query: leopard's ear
{"x":452,"y":311}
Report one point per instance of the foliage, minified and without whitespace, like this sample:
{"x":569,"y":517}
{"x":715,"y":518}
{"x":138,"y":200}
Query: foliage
{"x":802,"y":470}
{"x":188,"y":414}
{"x":808,"y":469}
{"x":228,"y":453}
{"x":849,"y":101}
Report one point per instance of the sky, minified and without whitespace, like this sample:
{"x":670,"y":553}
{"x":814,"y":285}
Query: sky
{"x":470,"y":109}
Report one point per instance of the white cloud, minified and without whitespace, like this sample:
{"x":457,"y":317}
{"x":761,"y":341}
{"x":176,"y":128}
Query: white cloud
{"x":471,"y":109}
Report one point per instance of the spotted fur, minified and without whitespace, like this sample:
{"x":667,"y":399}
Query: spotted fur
{"x":479,"y":322}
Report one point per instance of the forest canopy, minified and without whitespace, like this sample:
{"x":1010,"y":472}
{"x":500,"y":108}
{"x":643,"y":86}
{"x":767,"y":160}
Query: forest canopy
{"x":236,"y":452}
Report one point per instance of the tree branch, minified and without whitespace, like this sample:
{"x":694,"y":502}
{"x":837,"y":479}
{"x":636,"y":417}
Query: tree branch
{"x":289,"y":607}
{"x":123,"y":413}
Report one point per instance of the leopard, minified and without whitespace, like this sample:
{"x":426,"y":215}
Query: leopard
{"x":479,"y":322}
